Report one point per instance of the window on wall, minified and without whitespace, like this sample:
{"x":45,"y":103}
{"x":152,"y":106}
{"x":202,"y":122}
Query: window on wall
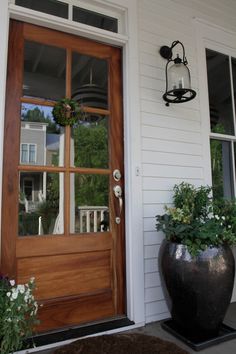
{"x":221,"y":74}
{"x":28,"y":153}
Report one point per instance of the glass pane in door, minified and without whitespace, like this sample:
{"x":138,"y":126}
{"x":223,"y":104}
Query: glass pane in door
{"x":41,"y":139}
{"x":89,"y":80}
{"x":44,"y":71}
{"x":89,"y":142}
{"x":41,"y":203}
{"x":89,"y":197}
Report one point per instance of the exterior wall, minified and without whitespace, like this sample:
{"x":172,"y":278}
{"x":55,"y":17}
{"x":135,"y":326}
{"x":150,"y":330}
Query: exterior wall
{"x":175,"y":138}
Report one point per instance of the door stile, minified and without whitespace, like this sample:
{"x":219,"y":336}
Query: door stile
{"x":116,"y":153}
{"x":67,"y":148}
{"x":11,"y":143}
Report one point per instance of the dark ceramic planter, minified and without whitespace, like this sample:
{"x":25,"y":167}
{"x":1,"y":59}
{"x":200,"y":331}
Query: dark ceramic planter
{"x":200,"y":288}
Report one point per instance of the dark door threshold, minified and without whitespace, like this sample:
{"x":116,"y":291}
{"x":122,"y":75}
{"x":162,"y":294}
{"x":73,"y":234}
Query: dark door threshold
{"x":198,"y":341}
{"x":79,"y":331}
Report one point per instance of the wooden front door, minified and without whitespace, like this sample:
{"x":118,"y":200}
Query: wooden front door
{"x":61,"y":220}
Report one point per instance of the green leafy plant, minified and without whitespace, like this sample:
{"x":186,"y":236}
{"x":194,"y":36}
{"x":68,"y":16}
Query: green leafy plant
{"x":18,"y":314}
{"x":197,"y":221}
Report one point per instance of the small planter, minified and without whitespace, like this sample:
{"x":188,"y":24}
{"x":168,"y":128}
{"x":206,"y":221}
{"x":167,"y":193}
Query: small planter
{"x":199,"y":288}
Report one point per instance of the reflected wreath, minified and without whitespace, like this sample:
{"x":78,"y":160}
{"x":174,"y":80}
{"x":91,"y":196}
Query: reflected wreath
{"x":66,"y":112}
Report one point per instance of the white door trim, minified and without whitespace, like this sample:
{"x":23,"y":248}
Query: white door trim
{"x":132,"y":130}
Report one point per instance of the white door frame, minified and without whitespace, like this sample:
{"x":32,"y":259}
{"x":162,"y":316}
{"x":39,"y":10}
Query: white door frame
{"x":132,"y":130}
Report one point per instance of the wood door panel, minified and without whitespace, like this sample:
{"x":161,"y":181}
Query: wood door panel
{"x":69,"y":275}
{"x":76,"y":311}
{"x":52,"y":245}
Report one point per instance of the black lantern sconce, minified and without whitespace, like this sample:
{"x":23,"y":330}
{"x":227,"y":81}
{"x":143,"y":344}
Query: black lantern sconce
{"x":178,"y":81}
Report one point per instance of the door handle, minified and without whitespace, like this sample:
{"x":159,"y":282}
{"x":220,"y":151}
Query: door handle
{"x":118,"y":194}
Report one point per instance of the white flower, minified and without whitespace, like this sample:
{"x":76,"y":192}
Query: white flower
{"x":223,"y":217}
{"x":8,"y":294}
{"x":217,"y":217}
{"x":14,"y":295}
{"x":21,"y":288}
{"x":9,"y":319}
{"x":12,"y":282}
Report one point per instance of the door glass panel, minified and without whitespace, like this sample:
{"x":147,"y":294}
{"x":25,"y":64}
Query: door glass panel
{"x":221,"y":166}
{"x":89,"y":81}
{"x":95,"y":19}
{"x":44,"y":71}
{"x":89,"y":142}
{"x":89,"y":203}
{"x":52,"y":7}
{"x":219,"y":89}
{"x":41,"y":203}
{"x":41,"y":139}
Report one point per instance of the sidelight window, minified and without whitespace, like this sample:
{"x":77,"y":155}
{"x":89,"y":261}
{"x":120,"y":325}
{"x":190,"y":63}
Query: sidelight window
{"x":221,"y":74}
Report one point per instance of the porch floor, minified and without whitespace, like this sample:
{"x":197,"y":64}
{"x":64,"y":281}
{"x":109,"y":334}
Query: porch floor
{"x":154,"y":329}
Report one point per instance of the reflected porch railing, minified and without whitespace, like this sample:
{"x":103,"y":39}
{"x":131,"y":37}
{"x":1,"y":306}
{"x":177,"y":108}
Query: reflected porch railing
{"x":93,"y":218}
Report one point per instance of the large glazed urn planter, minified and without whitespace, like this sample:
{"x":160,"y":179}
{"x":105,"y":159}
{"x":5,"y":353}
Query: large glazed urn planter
{"x":199,"y":288}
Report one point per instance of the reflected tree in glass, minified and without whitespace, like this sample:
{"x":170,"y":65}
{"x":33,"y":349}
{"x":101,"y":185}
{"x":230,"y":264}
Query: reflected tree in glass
{"x":90,"y":139}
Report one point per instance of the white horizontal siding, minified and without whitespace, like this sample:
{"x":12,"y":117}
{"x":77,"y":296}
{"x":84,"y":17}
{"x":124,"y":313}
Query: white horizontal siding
{"x":152,"y":280}
{"x":157,"y":183}
{"x":172,"y":137}
{"x":171,"y":146}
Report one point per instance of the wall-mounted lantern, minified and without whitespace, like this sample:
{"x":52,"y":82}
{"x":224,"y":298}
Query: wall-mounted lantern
{"x":178,"y":81}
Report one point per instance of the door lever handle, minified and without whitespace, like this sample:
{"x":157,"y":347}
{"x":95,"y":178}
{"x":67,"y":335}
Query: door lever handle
{"x":118,"y":194}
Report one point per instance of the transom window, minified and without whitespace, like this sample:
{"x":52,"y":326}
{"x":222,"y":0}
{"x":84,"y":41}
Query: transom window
{"x":221,"y":74}
{"x":88,"y":15}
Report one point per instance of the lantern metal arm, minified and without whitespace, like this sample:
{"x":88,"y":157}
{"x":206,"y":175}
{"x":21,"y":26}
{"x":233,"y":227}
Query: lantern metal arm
{"x":166,"y":52}
{"x":177,"y":95}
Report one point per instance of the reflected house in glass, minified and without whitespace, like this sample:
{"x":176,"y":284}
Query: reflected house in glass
{"x":37,"y":148}
{"x":33,"y":134}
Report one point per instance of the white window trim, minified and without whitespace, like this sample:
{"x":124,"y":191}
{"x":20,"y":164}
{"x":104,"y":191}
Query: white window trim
{"x":132,"y":126}
{"x":222,"y":40}
{"x":213,"y":37}
{"x":97,"y":6}
{"x":67,"y":25}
